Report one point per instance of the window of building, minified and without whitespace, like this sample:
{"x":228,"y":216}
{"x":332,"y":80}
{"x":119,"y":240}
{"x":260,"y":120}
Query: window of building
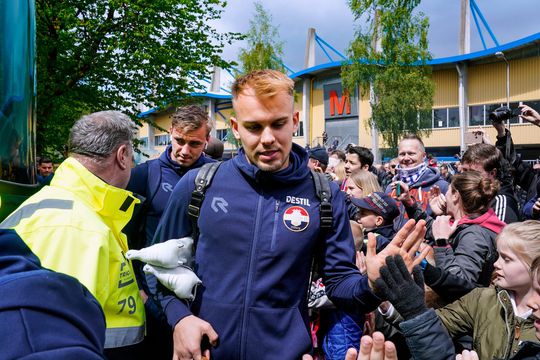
{"x":440,"y":118}
{"x":300,"y":131}
{"x":476,"y":115}
{"x":143,"y":143}
{"x":221,"y":134}
{"x":162,"y":140}
{"x":453,"y":117}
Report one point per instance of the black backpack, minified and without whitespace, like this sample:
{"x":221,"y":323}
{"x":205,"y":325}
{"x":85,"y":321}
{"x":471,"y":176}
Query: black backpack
{"x":204,"y":179}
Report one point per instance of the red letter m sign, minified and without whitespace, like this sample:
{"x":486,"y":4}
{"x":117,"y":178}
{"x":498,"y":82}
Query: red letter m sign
{"x":340,"y":106}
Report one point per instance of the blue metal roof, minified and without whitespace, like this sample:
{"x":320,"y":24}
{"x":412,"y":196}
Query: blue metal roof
{"x":193,"y":94}
{"x":439,"y":61}
{"x":334,"y":64}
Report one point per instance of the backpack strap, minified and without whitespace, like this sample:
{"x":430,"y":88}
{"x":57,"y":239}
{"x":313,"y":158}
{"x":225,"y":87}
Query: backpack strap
{"x":322,"y":190}
{"x":202,"y":181}
{"x":326,"y":215}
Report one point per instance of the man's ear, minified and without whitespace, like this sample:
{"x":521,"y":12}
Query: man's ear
{"x":296,"y":121}
{"x":493,"y":173}
{"x":365,"y":167}
{"x":122,"y":156}
{"x":234,"y":126}
{"x":379,"y":220}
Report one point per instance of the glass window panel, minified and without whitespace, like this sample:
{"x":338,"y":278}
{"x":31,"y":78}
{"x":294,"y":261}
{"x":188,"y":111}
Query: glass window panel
{"x":515,"y":119}
{"x":440,"y":118}
{"x":453,"y":117}
{"x":476,"y":115}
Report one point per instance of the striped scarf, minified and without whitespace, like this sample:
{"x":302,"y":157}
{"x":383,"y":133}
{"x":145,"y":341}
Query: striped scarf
{"x":411,"y":175}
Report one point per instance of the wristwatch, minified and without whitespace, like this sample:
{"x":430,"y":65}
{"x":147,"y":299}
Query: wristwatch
{"x":442,"y":242}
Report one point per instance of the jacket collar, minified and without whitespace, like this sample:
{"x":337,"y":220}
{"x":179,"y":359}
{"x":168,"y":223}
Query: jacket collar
{"x":296,"y":171}
{"x":166,"y":159}
{"x":114,"y":205}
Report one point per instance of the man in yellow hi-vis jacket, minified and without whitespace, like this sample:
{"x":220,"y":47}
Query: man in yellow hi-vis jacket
{"x":74,"y":225}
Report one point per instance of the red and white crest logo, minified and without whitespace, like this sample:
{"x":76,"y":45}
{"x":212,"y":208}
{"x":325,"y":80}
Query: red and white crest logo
{"x":296,"y":218}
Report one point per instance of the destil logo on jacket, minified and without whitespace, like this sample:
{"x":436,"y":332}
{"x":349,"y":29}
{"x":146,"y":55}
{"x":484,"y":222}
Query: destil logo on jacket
{"x":296,"y":218}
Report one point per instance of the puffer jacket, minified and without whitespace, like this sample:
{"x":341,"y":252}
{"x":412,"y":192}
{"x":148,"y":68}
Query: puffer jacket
{"x":487,"y":315}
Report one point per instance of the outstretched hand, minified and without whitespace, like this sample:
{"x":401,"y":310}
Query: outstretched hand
{"x":404,"y":291}
{"x":406,"y":244}
{"x":373,"y":348}
{"x":530,"y":115}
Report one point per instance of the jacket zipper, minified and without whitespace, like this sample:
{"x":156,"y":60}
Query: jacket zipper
{"x":247,"y":297}
{"x":274,"y":231}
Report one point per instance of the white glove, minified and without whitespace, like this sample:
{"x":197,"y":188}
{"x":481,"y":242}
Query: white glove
{"x":181,"y":280}
{"x":168,"y":254}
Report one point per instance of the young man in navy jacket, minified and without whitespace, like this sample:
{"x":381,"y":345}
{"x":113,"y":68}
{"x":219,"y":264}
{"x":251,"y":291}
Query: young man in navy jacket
{"x":259,"y":231}
{"x":155,"y":180}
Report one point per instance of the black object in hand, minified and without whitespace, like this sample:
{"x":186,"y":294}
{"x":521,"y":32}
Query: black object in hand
{"x":404,"y":291}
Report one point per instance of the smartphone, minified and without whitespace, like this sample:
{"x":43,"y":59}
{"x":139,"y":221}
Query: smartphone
{"x":473,"y":138}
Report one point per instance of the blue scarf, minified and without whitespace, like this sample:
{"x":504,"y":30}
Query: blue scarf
{"x":411,"y":175}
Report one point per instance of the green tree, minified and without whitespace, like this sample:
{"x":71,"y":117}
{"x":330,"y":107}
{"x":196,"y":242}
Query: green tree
{"x":264,"y":50}
{"x":119,"y":54}
{"x":396,"y":71}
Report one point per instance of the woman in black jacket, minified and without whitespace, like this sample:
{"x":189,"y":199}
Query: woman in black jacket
{"x":463,"y":239}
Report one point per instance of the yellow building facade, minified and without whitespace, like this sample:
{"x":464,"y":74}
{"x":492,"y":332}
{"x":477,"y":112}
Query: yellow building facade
{"x":467,"y":89}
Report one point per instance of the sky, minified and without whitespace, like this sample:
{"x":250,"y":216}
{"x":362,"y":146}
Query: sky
{"x":332,"y":19}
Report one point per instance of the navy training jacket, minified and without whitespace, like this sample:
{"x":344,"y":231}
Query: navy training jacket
{"x":258,"y":234}
{"x":44,"y":314}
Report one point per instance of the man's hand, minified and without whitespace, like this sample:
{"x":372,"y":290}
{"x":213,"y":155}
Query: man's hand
{"x":405,"y":243}
{"x":373,"y":349}
{"x":530,"y":115}
{"x":403,"y":194}
{"x":188,"y":335}
{"x":441,"y":228}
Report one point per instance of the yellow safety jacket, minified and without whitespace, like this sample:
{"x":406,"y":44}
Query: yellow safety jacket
{"x":74,"y":227}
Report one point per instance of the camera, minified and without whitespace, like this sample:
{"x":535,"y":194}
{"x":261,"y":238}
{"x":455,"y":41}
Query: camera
{"x":503,"y":113}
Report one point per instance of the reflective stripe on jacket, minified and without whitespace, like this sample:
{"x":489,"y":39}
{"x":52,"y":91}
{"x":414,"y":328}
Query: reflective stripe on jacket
{"x":74,"y":226}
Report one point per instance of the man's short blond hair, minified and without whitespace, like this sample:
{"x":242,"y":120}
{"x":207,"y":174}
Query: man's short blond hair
{"x":265,"y":83}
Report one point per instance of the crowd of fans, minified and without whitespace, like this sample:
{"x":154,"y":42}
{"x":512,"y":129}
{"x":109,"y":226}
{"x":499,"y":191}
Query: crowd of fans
{"x":183,"y":257}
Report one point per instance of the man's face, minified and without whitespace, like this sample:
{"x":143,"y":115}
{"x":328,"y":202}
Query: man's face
{"x":187,"y":147}
{"x":534,"y":303}
{"x":45,"y":169}
{"x":410,"y":153}
{"x":352,"y":162}
{"x":265,"y":127}
{"x":480,"y":168}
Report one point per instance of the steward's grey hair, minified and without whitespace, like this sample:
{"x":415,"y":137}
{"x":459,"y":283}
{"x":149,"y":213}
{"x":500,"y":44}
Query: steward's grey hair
{"x":99,"y":134}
